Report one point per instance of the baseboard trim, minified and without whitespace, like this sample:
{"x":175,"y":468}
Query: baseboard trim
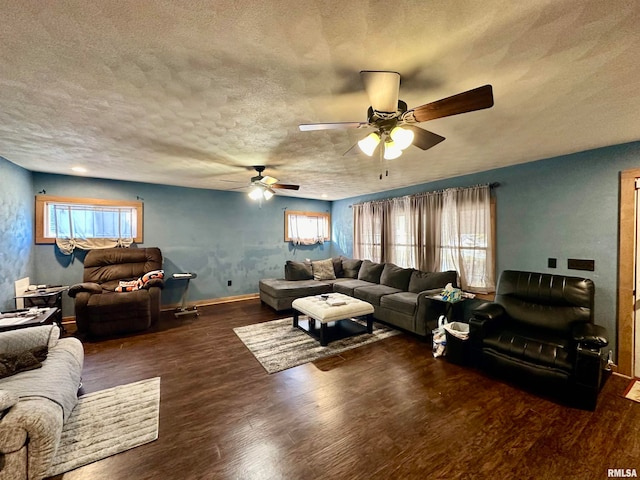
{"x":212,"y":301}
{"x":199,"y":303}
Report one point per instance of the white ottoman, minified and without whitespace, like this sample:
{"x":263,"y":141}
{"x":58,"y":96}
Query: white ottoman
{"x":320,"y":309}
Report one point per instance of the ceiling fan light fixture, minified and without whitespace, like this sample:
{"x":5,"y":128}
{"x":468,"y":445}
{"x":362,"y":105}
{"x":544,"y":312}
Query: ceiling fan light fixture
{"x":391,"y":150}
{"x":256,"y":193}
{"x":402,"y":137}
{"x":369,"y":143}
{"x":267,"y":194}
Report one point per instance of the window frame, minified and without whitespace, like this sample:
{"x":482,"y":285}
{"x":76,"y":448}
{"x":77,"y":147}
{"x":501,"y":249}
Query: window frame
{"x":315,"y":215}
{"x":43,"y":200}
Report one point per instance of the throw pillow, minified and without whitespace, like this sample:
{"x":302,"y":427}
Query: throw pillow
{"x":7,"y":399}
{"x":395,"y":276}
{"x":421,"y":281}
{"x":323,"y":270}
{"x":297,"y":271}
{"x":129,"y":285}
{"x":370,"y":272}
{"x":351,"y":267}
{"x":12,"y":363}
{"x":150,"y":275}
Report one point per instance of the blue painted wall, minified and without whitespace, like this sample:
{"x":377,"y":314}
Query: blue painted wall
{"x":16,"y":229}
{"x":564,"y":207}
{"x":219,"y":235}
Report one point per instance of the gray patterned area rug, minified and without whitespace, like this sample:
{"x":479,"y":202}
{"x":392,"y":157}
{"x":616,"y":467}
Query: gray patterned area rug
{"x":108,"y":422}
{"x":277,"y":345}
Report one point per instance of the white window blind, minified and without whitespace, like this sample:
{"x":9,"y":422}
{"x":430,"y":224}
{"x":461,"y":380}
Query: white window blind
{"x":90,"y":221}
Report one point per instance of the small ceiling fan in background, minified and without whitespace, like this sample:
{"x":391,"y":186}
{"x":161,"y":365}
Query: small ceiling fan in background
{"x":262,"y":187}
{"x":394,"y":124}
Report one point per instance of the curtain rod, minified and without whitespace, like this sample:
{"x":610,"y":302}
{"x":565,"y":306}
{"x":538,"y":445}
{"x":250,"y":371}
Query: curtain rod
{"x":490,"y":185}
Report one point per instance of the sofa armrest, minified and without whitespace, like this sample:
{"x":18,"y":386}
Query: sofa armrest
{"x":154,"y":282}
{"x":36,"y":422}
{"x":89,"y":287}
{"x":488,"y":311}
{"x":590,"y":335}
{"x":485,"y":318}
{"x":428,"y":310}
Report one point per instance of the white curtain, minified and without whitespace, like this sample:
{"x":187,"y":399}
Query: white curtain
{"x":307,"y":230}
{"x":367,"y":233}
{"x":435,"y":231}
{"x":67,"y":245}
{"x":466,"y":237}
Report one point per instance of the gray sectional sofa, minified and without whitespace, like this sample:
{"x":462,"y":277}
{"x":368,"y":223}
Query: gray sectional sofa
{"x":398,"y":295}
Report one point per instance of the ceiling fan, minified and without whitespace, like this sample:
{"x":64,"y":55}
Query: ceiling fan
{"x":263,"y":186}
{"x":394,"y":124}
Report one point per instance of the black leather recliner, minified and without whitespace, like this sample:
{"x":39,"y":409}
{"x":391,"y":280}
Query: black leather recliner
{"x":540,"y":330}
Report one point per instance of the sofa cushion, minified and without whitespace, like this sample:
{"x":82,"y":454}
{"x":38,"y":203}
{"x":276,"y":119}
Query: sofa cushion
{"x":403,"y":302}
{"x":103,"y":265}
{"x":351,"y":267}
{"x":395,"y":276}
{"x":337,"y":267}
{"x":348,"y":286}
{"x":57,"y":380}
{"x":297,"y":271}
{"x":278,"y":288}
{"x":17,"y":341}
{"x":532,"y":345}
{"x":323,"y":270}
{"x":421,"y":281}
{"x":373,"y":293}
{"x":370,"y":271}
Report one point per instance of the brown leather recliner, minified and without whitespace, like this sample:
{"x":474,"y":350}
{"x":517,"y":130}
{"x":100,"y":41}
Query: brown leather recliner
{"x":100,"y":310}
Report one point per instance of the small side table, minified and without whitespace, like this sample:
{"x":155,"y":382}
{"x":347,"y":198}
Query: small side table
{"x":448,"y":308}
{"x":184,"y":309}
{"x":28,"y":318}
{"x":46,"y":297}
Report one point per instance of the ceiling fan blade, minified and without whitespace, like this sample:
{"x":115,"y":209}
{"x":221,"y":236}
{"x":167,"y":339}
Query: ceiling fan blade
{"x":382,"y":89}
{"x":476,"y":99}
{"x":353,"y":150}
{"x":308,"y":127}
{"x":268,"y":180}
{"x":284,"y":186}
{"x":424,"y":139}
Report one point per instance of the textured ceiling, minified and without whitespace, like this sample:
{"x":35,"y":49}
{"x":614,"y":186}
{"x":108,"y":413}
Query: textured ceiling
{"x":192,"y":93}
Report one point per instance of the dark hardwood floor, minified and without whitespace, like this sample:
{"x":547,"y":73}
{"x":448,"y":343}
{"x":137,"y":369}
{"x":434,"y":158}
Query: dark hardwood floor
{"x":388,"y":410}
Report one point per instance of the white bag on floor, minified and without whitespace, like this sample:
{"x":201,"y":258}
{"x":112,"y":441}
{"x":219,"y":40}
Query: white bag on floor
{"x":439,"y":338}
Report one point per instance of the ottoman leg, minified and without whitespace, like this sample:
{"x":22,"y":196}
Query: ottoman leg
{"x":296,"y":315}
{"x":324,"y":341}
{"x":369,"y":323}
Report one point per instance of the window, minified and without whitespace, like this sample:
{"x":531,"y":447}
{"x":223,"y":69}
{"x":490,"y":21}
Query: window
{"x":452,"y":229}
{"x":87,"y":218}
{"x":306,"y":228}
{"x":468,"y":230}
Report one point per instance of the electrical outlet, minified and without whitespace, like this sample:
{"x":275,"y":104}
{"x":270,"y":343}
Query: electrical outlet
{"x":228,"y":283}
{"x":552,"y":262}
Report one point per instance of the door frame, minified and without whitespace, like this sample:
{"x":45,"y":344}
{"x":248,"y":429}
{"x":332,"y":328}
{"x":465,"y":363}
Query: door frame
{"x":626,"y":270}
